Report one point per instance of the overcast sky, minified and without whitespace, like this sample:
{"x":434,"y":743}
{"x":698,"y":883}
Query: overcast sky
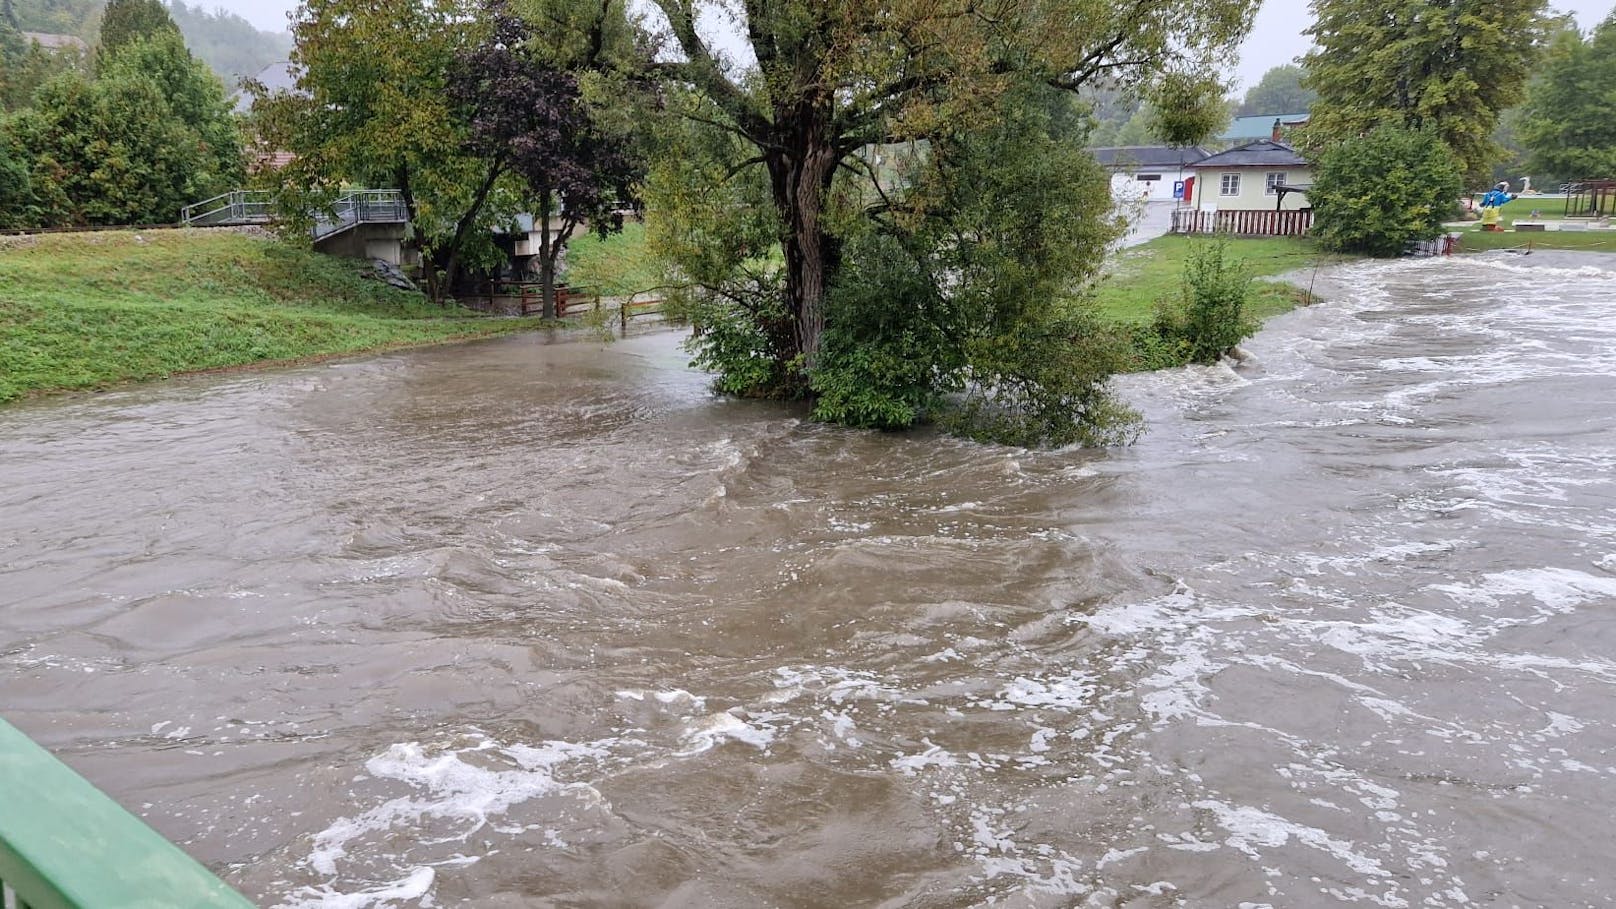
{"x":1277,"y":38}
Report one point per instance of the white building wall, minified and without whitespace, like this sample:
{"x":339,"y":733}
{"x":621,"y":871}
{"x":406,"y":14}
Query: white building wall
{"x":1126,"y":186}
{"x":1253,"y":188}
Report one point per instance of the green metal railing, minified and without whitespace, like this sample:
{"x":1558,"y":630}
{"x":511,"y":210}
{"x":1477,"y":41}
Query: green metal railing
{"x":65,"y":845}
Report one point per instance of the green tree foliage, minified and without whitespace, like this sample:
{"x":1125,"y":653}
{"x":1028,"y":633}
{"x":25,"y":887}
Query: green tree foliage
{"x":390,"y":95}
{"x":18,"y":206}
{"x":1187,"y":109}
{"x":532,"y":118}
{"x":225,"y":41}
{"x":21,"y":76}
{"x":964,"y":304}
{"x":371,"y":108}
{"x":62,"y":17}
{"x":1279,"y":91}
{"x":1567,"y":124}
{"x":1209,"y":318}
{"x":1376,"y":194}
{"x":1447,"y":66}
{"x":195,"y":97}
{"x":12,"y":44}
{"x":1110,"y":110}
{"x":127,"y":21}
{"x":837,"y":79}
{"x":149,"y":134}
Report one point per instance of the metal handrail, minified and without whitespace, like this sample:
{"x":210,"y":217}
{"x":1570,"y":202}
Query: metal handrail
{"x":258,"y":207}
{"x":65,"y":845}
{"x":237,"y":207}
{"x":361,"y":207}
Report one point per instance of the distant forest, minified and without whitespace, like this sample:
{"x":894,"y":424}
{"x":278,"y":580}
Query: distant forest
{"x":225,"y":41}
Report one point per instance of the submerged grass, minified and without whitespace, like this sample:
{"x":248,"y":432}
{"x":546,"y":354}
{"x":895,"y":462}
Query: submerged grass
{"x":91,"y":310}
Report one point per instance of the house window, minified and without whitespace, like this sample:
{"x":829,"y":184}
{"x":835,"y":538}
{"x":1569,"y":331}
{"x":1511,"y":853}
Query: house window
{"x":1230,"y":185}
{"x":1275,"y":181}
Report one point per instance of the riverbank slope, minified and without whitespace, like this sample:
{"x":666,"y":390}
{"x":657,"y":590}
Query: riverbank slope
{"x":91,"y":310}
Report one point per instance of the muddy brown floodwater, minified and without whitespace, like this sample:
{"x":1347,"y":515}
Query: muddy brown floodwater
{"x":549,"y":625}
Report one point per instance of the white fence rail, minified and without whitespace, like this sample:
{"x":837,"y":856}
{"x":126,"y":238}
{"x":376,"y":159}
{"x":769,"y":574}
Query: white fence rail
{"x":1244,"y":223}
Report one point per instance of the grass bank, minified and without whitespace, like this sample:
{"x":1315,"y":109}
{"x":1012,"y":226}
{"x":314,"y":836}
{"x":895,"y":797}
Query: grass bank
{"x":1154,"y":271}
{"x":620,"y":265}
{"x":1141,"y":278}
{"x":81,"y":311}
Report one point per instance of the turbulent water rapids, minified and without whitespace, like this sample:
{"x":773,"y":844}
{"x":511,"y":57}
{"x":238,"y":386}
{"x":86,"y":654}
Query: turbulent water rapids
{"x":526,"y":624}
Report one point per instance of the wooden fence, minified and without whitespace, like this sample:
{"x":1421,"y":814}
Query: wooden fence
{"x":1244,"y":223}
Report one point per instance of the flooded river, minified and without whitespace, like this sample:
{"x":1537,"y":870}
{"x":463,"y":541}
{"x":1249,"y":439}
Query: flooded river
{"x":523,"y":624}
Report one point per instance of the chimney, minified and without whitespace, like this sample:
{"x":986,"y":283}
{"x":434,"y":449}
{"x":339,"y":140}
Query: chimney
{"x":1279,"y":131}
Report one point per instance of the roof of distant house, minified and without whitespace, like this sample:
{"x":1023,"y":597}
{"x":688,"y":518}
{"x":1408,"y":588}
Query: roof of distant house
{"x":1147,"y":157}
{"x":1244,"y":129}
{"x":56,"y":42}
{"x":1262,"y":153}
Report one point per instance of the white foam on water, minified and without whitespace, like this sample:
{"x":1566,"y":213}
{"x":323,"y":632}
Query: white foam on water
{"x":933,"y":756}
{"x":1073,"y":691}
{"x":416,"y":886}
{"x":1251,"y":829}
{"x":1558,"y":590}
{"x":1142,"y":616}
{"x":725,"y":727}
{"x":834,"y":684}
{"x":466,"y":788}
{"x":1536,"y":272}
{"x":676,"y":697}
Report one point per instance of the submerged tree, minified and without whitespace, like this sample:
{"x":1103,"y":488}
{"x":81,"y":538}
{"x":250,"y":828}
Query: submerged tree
{"x":1449,"y":68}
{"x":796,"y":151}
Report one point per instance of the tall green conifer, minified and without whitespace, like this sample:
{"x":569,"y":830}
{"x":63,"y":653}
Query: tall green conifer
{"x":1449,"y":67}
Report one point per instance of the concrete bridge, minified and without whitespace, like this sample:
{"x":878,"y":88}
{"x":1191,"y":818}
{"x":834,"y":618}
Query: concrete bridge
{"x":364,"y":224}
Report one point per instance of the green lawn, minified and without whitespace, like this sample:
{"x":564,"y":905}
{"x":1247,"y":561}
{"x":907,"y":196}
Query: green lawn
{"x":1478,"y":240}
{"x":1154,"y":271}
{"x":91,"y":310}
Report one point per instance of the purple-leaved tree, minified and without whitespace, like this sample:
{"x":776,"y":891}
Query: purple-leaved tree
{"x":534,"y":116}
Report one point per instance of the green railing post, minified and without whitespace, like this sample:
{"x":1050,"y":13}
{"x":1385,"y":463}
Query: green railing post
{"x":65,"y":845}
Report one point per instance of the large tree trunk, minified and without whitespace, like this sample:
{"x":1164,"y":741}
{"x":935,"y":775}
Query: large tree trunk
{"x":800,"y":173}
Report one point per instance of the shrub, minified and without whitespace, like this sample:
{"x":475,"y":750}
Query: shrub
{"x":1209,"y":318}
{"x":1382,"y":192}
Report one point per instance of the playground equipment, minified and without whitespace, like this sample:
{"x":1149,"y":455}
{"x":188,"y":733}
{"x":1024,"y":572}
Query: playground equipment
{"x":1591,"y":199}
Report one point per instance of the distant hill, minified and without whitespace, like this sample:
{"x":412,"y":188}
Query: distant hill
{"x":225,"y":41}
{"x":61,"y":17}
